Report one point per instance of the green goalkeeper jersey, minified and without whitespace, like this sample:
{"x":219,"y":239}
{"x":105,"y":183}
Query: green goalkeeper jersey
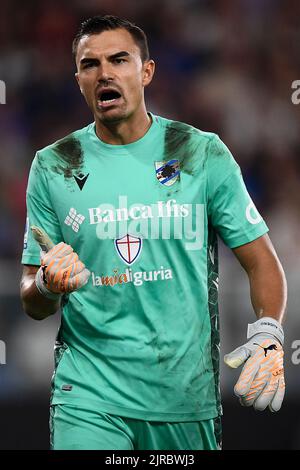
{"x":141,"y":339}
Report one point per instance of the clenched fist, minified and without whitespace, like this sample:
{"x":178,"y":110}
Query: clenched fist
{"x":61,"y":270}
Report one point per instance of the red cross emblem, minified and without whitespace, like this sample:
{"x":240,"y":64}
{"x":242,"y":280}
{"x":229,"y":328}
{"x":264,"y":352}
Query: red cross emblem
{"x":128,"y":248}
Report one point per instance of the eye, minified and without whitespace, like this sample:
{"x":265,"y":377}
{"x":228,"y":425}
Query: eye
{"x":119,"y":60}
{"x":88,"y":65}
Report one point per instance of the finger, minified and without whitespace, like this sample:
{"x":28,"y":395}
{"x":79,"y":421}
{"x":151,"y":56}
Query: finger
{"x":266,"y":396}
{"x":277,"y":400}
{"x":65,"y":275}
{"x":257,"y":387}
{"x":56,"y":262}
{"x":246,"y":377}
{"x":55,"y":267}
{"x":59,"y":251}
{"x":57,"y":279}
{"x":270,"y":371}
{"x":79,"y":280}
{"x":42,"y":238}
{"x":67,"y":282}
{"x":265,"y":382}
{"x":68,"y":260}
{"x":237,"y":357}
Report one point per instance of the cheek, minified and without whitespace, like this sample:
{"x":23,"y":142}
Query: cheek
{"x":86,"y":85}
{"x":135,"y":85}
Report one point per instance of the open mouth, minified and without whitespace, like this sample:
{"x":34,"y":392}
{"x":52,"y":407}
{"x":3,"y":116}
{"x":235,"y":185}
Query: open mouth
{"x":108,"y":97}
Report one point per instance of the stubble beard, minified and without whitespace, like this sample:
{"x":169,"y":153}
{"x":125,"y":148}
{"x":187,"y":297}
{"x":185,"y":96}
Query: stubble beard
{"x":107,"y":118}
{"x":112,"y":116}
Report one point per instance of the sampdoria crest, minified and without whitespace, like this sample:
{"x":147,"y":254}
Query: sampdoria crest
{"x":167,"y":173}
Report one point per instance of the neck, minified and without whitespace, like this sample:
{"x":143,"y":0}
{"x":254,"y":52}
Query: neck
{"x":125,"y":131}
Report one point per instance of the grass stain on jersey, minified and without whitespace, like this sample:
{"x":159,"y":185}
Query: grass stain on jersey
{"x":181,"y":143}
{"x":70,"y":156}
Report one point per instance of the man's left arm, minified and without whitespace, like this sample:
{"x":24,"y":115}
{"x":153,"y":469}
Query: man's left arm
{"x":268,"y":288}
{"x":261,"y":382}
{"x":235,"y":218}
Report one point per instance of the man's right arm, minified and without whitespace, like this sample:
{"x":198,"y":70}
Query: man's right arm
{"x":61,"y":272}
{"x":34,"y":303}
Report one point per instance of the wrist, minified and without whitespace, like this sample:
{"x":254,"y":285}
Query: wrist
{"x":43,"y":289}
{"x":266,"y":325}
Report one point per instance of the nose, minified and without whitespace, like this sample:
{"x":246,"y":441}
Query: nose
{"x":105,"y":73}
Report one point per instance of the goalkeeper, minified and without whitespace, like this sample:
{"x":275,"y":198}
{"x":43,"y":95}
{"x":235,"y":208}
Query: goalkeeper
{"x":137,"y":353}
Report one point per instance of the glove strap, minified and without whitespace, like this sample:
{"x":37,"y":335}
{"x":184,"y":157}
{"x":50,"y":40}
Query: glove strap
{"x":266,"y":325}
{"x":40,"y":284}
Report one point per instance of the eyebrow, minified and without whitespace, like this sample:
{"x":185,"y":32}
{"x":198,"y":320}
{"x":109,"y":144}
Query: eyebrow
{"x":111,"y":57}
{"x":119,"y":54}
{"x":87,"y":60}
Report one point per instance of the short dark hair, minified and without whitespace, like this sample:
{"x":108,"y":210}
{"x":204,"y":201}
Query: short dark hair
{"x":98,"y":24}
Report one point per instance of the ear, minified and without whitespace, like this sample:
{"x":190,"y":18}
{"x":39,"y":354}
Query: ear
{"x":78,"y":81}
{"x":148,"y":72}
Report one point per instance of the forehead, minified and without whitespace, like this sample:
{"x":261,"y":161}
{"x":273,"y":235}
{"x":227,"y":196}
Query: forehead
{"x":106,"y":43}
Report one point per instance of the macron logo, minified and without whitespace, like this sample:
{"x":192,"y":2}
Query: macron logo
{"x":74,"y":220}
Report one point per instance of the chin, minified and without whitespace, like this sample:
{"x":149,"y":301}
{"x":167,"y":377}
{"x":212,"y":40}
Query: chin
{"x":112,"y":116}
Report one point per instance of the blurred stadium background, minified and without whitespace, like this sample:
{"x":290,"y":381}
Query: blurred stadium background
{"x":222,"y":66}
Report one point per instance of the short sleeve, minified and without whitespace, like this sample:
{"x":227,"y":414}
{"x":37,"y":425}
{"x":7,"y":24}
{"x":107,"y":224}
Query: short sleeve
{"x":230,"y":207}
{"x":39,"y":212}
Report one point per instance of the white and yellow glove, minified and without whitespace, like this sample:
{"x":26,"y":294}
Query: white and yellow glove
{"x":261,"y":382}
{"x":61,"y":270}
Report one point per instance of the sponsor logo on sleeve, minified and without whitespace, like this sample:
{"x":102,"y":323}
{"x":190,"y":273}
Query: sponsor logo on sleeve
{"x":252,"y":214}
{"x":26,"y":233}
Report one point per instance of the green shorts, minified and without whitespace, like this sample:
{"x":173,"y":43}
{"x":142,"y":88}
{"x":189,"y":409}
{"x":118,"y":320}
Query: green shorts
{"x":73,"y":428}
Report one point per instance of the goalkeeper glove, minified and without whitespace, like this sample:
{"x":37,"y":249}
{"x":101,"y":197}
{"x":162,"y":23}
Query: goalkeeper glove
{"x":61,"y":270}
{"x":261,"y":382}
